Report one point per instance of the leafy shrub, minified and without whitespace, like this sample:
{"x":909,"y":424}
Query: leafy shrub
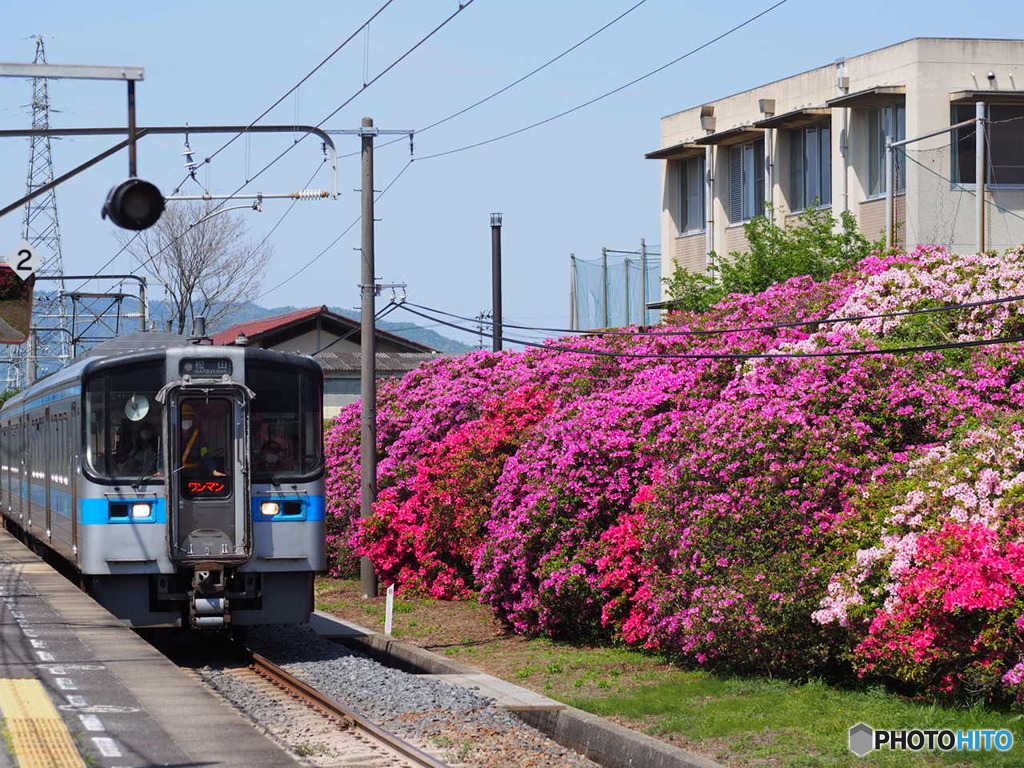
{"x":812,"y":247}
{"x":848,"y":510}
{"x":937,"y":599}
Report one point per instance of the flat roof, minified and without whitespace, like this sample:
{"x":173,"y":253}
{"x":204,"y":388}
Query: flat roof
{"x":833,"y":63}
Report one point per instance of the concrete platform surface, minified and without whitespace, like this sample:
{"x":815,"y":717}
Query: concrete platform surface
{"x":125,"y":704}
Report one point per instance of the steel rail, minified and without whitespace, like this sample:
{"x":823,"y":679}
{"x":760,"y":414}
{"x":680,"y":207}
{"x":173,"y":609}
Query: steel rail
{"x":268,"y":669}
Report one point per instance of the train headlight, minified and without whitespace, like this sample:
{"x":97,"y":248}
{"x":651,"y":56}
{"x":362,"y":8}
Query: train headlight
{"x":142,"y":510}
{"x":270,"y":508}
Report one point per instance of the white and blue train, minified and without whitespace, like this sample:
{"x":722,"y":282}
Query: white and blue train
{"x":181,"y":482}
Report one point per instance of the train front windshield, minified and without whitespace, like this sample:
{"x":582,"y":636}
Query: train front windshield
{"x":287,"y":423}
{"x":123,"y":421}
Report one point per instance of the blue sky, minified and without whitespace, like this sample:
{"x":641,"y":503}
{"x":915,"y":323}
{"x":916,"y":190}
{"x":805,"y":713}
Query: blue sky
{"x":573,"y":185}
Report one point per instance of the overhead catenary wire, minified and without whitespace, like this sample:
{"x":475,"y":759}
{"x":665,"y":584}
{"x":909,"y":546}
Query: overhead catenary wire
{"x":519,"y":80}
{"x":335,"y":241}
{"x":462,"y":7}
{"x":596,"y":99}
{"x":146,"y":264}
{"x":268,"y":110}
{"x":737,"y":355}
{"x":753,"y":328}
{"x":609,"y":93}
{"x":384,"y":311}
{"x":275,"y":160}
{"x":293,"y":89}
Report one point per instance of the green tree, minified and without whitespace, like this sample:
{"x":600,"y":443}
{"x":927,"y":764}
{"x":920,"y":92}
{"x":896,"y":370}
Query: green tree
{"x":818,"y":245}
{"x":7,"y":394}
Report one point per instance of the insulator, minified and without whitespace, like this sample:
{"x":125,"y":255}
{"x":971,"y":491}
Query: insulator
{"x":309,"y":194}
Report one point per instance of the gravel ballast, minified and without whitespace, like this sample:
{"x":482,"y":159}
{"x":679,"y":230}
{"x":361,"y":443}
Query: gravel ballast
{"x":464,"y":728}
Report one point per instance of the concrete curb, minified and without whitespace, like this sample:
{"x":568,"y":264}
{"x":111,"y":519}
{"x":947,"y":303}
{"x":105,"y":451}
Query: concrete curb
{"x":606,"y":743}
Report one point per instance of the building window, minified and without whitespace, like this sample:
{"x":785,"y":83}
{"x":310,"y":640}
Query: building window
{"x":746,"y":181}
{"x":885,"y":122}
{"x":810,"y":166}
{"x":1004,"y":144}
{"x":691,"y":195}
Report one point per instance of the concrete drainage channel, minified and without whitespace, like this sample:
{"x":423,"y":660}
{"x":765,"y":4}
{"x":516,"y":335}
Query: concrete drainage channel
{"x":603,"y":742}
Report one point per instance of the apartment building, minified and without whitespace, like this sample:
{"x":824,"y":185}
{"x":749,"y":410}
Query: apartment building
{"x":820,"y":138}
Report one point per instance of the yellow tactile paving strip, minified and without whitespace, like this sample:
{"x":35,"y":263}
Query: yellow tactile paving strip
{"x":38,"y":736}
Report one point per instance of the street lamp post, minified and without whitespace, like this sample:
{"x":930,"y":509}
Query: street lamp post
{"x":496,"y":281}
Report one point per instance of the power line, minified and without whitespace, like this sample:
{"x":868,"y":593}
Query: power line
{"x":144,"y":265}
{"x":230,"y":141}
{"x":516,"y":82}
{"x":335,"y":241}
{"x":755,"y":328}
{"x":742,"y":355}
{"x":382,"y":312}
{"x":312,"y":72}
{"x":284,"y":96}
{"x":653,"y":72}
{"x":462,"y":6}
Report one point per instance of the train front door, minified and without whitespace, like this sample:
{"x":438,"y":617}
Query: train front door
{"x":208,"y":494}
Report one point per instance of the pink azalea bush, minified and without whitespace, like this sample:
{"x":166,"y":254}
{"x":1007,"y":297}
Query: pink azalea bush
{"x":938,"y":598}
{"x":425,"y":541}
{"x":802,"y":515}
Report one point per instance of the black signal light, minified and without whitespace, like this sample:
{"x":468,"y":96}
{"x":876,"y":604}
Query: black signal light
{"x":134,"y":204}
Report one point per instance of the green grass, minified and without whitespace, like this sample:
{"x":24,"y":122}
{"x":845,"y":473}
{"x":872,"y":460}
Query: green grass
{"x":740,"y":722}
{"x":756,"y":722}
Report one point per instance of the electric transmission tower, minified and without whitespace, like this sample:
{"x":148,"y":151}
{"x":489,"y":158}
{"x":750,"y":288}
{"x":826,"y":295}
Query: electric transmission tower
{"x":47,"y":348}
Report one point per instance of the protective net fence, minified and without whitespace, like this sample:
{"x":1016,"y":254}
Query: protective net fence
{"x":940,"y":205}
{"x":610,"y":292}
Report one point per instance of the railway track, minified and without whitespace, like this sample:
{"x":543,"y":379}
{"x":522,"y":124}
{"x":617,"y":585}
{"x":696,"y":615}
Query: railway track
{"x":301,"y":690}
{"x":361,"y":742}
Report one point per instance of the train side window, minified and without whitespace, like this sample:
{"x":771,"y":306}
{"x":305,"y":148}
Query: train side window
{"x":112,"y":430}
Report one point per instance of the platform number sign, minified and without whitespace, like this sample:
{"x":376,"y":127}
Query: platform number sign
{"x":24,"y":260}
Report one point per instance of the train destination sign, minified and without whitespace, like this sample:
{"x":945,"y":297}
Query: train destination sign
{"x":205,"y":366}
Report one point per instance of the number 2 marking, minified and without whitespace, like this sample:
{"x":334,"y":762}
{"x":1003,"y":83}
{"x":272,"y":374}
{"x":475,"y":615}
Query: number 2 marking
{"x":23,"y":264}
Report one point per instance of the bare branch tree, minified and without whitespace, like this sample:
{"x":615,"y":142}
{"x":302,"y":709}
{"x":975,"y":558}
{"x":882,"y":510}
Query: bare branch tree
{"x":206,"y":269}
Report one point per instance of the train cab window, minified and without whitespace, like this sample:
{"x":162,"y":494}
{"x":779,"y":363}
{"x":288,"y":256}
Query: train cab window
{"x":122,"y":421}
{"x":287,"y":422}
{"x":205,"y":448}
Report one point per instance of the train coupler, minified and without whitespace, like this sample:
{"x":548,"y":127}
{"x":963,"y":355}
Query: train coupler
{"x":208,"y":607}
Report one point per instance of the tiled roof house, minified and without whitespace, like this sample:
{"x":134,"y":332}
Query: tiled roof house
{"x":335,"y":341}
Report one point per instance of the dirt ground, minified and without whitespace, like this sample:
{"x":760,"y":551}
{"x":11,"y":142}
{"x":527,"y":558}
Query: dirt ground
{"x":468,"y":632}
{"x":451,"y":628}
